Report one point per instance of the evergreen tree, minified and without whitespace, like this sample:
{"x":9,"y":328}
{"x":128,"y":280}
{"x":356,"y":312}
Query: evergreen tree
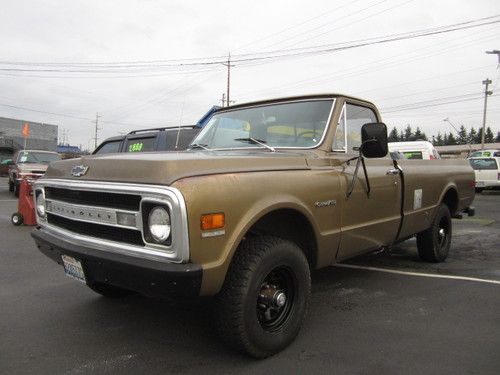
{"x":393,"y":135}
{"x":401,"y":135}
{"x":408,"y":133}
{"x":479,"y":135}
{"x":445,"y":139}
{"x":451,"y":140}
{"x":462,"y":136}
{"x":472,"y":135}
{"x":419,"y":135}
{"x":439,"y":140}
{"x":488,"y":136}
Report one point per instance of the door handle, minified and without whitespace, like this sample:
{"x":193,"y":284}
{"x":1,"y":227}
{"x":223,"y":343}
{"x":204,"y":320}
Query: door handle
{"x":392,"y":171}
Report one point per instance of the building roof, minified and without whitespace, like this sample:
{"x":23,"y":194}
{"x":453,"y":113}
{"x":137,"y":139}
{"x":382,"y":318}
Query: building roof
{"x":456,"y":149}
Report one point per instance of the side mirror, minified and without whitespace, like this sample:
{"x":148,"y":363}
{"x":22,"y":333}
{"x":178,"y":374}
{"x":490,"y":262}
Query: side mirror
{"x":374,"y":140}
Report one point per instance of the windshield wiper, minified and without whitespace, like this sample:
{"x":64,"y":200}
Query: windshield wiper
{"x":198,"y":145}
{"x":256,"y":141}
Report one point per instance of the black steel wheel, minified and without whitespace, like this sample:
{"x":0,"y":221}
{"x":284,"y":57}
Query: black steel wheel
{"x":275,"y":299}
{"x":434,"y":243}
{"x":264,"y":299}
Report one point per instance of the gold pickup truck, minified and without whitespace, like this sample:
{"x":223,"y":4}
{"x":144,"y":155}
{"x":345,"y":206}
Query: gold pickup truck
{"x":267,"y":192}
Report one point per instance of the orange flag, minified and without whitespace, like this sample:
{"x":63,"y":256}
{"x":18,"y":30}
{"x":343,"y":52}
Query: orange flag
{"x":26,"y":130}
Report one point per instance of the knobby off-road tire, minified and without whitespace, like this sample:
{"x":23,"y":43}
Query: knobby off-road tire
{"x":109,"y":291}
{"x":433,"y":244}
{"x":265,"y":297}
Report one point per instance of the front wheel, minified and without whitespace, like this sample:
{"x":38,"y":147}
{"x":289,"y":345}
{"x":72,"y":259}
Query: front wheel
{"x":264,"y":300}
{"x":434,"y":243}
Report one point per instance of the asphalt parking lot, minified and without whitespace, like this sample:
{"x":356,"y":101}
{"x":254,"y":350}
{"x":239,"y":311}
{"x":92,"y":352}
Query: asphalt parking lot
{"x":379,"y":314}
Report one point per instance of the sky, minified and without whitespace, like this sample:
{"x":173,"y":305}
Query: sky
{"x":151,"y":63}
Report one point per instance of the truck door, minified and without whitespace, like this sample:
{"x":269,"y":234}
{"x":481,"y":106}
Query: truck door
{"x":368,"y":220}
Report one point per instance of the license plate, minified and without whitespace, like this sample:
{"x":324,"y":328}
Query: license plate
{"x":73,"y":268}
{"x":479,"y":183}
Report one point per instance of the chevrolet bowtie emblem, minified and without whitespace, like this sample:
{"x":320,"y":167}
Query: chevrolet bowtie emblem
{"x":79,"y":170}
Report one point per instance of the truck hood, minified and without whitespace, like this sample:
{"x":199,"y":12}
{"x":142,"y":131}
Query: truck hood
{"x":167,"y":167}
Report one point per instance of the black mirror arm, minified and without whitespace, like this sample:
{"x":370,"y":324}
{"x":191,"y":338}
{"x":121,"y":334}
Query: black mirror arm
{"x":360,"y":159}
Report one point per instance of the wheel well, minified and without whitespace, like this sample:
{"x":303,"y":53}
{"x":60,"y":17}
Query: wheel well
{"x":451,"y":200}
{"x":290,"y":225}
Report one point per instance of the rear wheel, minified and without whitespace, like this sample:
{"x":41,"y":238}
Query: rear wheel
{"x":434,"y":243}
{"x":263,"y":302}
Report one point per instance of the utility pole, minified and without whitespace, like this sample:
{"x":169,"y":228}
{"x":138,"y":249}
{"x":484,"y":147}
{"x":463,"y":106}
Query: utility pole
{"x":486,"y":82}
{"x":228,"y":64}
{"x":96,"y":128}
{"x":223,"y":100}
{"x":495,"y":52}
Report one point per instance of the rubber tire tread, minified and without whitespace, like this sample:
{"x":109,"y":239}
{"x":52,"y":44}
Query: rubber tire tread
{"x":426,"y":244}
{"x":230,"y":302}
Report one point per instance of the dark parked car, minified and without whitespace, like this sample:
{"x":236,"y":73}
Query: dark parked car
{"x":4,"y":167}
{"x":158,"y":139}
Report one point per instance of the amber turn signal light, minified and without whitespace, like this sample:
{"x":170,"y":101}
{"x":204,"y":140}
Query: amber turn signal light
{"x":212,"y":221}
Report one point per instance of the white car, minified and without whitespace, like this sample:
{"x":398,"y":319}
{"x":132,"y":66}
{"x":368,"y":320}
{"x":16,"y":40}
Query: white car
{"x":487,"y":172}
{"x":485,"y":153}
{"x":415,"y":150}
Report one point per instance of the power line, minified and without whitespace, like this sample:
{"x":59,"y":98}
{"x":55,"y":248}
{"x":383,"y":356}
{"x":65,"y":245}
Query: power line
{"x":46,"y":112}
{"x":271,"y":56}
{"x":437,"y":102}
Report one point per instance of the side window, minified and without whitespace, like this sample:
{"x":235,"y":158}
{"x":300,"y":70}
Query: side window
{"x":108,"y":147}
{"x":348,"y":133}
{"x":356,"y":117}
{"x":339,"y":140}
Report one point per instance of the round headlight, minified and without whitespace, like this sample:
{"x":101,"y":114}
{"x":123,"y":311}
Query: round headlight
{"x":40,"y":205}
{"x":159,"y":224}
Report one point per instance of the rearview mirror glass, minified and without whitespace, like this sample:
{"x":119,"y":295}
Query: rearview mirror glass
{"x":374,"y":140}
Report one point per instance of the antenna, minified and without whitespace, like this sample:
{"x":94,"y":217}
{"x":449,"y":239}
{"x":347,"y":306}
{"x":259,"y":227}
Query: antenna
{"x":179,"y":129}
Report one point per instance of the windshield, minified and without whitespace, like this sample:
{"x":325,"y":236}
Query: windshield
{"x":292,"y":125}
{"x":37,"y":157}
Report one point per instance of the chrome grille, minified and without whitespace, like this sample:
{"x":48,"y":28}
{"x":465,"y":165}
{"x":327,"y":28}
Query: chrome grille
{"x":108,"y":216}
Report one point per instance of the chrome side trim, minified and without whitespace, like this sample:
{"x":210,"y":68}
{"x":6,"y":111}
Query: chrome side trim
{"x":176,"y":252}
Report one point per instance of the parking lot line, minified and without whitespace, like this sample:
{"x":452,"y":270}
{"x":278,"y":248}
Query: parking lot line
{"x":419,"y":274}
{"x":8,"y":200}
